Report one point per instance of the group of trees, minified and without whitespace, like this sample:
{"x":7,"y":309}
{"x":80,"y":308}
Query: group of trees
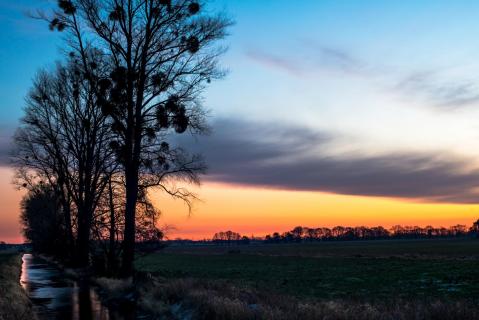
{"x":299,"y":233}
{"x":98,"y":131}
{"x":304,"y":234}
{"x":229,"y":237}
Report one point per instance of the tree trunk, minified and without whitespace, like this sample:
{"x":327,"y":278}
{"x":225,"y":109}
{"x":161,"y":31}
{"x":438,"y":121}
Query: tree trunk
{"x":132,"y":163}
{"x":83,"y":240}
{"x":111,"y":250}
{"x":130,"y":212}
{"x":66,"y":210}
{"x":68,"y":228}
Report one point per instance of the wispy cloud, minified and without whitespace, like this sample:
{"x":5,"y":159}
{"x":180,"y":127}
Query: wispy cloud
{"x":446,"y":94}
{"x":282,"y":63}
{"x":316,"y":58}
{"x":295,"y":158}
{"x":437,"y":88}
{"x":339,"y":59}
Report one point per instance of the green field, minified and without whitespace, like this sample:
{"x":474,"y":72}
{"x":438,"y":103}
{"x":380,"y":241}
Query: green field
{"x":346,"y":270}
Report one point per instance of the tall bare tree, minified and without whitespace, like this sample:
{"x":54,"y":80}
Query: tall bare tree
{"x":64,"y":140}
{"x":162,"y":54}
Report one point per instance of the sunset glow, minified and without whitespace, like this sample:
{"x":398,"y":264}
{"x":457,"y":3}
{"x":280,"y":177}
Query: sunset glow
{"x":352,"y":113}
{"x":261,"y":211}
{"x":10,"y":200}
{"x":257,"y":211}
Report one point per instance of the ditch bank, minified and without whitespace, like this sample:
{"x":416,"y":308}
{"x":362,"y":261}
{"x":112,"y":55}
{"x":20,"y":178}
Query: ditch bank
{"x":56,"y":294}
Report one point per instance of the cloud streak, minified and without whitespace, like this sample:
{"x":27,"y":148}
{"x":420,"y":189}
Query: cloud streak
{"x":292,"y":158}
{"x":282,"y":63}
{"x":340,"y":60}
{"x":438,"y":89}
{"x":440,"y":93}
{"x":317,"y":57}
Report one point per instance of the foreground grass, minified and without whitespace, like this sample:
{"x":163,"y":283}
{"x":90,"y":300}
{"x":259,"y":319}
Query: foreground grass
{"x":14,"y":304}
{"x":361,"y":280}
{"x":215,"y":299}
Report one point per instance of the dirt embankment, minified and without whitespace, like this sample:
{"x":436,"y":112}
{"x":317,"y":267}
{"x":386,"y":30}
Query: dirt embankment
{"x":14,"y":303}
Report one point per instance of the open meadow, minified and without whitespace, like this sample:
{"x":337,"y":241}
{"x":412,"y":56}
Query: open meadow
{"x":357,"y":269}
{"x":393,"y":279}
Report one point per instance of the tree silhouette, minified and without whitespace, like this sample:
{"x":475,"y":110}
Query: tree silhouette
{"x":161,"y":55}
{"x":63,"y":140}
{"x":229,"y":237}
{"x":299,"y":234}
{"x":474,"y":230}
{"x":42,"y":221}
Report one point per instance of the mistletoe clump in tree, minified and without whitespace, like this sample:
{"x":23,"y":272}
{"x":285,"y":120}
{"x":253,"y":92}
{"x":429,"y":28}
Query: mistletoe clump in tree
{"x":162,"y":53}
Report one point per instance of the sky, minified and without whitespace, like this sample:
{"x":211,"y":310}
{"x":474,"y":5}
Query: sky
{"x":333,"y":112}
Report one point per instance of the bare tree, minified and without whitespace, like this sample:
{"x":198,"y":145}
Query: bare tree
{"x":108,"y":225}
{"x":64,"y":139}
{"x":162,"y":53}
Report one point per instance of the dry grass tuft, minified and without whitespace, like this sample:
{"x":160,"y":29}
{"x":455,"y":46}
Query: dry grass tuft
{"x":114,"y":289}
{"x":201,"y":299}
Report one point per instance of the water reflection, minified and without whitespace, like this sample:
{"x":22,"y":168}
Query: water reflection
{"x":54,"y":297}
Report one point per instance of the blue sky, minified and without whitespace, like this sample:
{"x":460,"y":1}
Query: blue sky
{"x":384,"y":78}
{"x":405,"y":35}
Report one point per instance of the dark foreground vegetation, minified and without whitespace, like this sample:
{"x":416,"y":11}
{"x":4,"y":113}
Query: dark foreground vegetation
{"x":394,"y":279}
{"x":200,"y":299}
{"x":14,"y":303}
{"x":380,"y":279}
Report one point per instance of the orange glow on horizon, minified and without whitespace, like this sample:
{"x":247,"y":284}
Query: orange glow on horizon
{"x":260,"y":211}
{"x":10,"y":208}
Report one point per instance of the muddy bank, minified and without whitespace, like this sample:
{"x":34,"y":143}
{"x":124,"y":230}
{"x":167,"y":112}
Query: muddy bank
{"x":14,"y":303}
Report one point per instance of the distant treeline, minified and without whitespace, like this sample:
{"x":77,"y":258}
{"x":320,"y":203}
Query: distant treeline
{"x":9,"y":246}
{"x":305,"y":234}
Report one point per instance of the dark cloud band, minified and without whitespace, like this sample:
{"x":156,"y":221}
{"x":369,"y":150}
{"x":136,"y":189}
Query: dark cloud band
{"x":275,"y":155}
{"x":278,"y":156}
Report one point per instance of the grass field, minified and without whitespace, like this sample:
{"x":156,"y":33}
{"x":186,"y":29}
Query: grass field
{"x":14,"y":304}
{"x":359,"y":270}
{"x":393,"y":279}
{"x":423,"y":248}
